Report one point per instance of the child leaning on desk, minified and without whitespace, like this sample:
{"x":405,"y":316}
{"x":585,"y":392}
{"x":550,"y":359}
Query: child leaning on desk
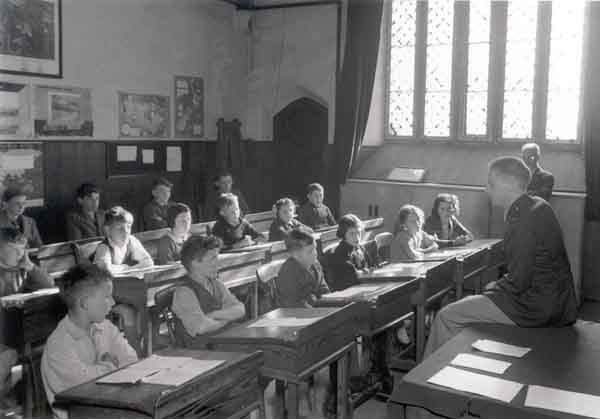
{"x":85,"y":344}
{"x":443,"y":223}
{"x":410,"y":241}
{"x":202,"y":304}
{"x":231,"y":227}
{"x":17,"y":275}
{"x":120,"y":251}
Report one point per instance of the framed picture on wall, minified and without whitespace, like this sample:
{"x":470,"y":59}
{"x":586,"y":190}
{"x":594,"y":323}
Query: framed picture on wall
{"x":61,"y":111}
{"x":30,"y":37}
{"x":189,"y":107}
{"x":143,"y":116}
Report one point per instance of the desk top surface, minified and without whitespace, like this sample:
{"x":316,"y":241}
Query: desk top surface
{"x":383,"y":291}
{"x":400,"y":271}
{"x":563,"y":358}
{"x":143,"y":397}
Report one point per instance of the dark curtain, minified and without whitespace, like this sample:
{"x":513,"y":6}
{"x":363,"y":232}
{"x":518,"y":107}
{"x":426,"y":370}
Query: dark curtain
{"x":355,"y":81}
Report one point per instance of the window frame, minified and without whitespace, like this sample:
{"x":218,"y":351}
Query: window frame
{"x":496,"y":73}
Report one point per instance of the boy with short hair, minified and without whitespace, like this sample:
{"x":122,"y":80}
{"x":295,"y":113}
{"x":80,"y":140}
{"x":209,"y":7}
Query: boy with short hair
{"x":86,"y":220}
{"x":300,"y":281}
{"x":84,"y":345}
{"x":155,"y":212}
{"x":202,"y":303}
{"x":223,"y":183}
{"x":14,"y":199}
{"x":233,"y":229}
{"x":314,"y":213}
{"x":17,"y":274}
{"x":180,"y":221}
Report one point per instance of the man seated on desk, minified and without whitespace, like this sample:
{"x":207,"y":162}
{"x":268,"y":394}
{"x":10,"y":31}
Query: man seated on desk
{"x":202,"y":304}
{"x":84,"y":345}
{"x":538,"y":289}
{"x":542,"y":181}
{"x":17,"y":274}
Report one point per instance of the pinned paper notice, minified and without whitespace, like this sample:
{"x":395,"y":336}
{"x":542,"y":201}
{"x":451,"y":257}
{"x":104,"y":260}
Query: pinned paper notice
{"x":126,"y":153}
{"x":148,"y":156}
{"x":493,"y":347}
{"x":284,"y":322}
{"x":11,"y":161}
{"x":563,"y":401}
{"x":481,"y":363}
{"x":174,"y":159}
{"x":470,"y":382}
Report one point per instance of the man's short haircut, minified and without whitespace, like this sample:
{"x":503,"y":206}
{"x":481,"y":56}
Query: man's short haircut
{"x":196,"y":247}
{"x":117,"y":215}
{"x":174,"y":210}
{"x":162,"y":181}
{"x":283,"y":202}
{"x":79,"y":279}
{"x":531,"y":146}
{"x":12,"y":191}
{"x":403,"y":213}
{"x":226,"y":200}
{"x":512,"y":168}
{"x":299,"y":238}
{"x":223,"y":173}
{"x":347,"y":222}
{"x":314,"y":187}
{"x":86,"y":189}
{"x":11,"y":235}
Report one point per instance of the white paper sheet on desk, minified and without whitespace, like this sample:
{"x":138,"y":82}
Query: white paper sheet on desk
{"x":183,"y":373}
{"x":481,"y":363}
{"x":284,"y":322}
{"x":494,"y":347}
{"x":351,"y":292}
{"x":563,"y":401}
{"x":470,"y":382}
{"x":136,"y":372}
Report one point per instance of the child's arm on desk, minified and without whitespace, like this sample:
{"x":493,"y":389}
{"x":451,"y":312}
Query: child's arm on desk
{"x":232,"y":309}
{"x":187,"y":308}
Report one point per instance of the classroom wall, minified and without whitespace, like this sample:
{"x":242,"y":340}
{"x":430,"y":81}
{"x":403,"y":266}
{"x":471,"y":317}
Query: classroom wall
{"x":138,"y":46}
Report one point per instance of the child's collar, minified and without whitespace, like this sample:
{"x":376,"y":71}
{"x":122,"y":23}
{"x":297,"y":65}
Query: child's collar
{"x":77,"y":332}
{"x":113,"y":244}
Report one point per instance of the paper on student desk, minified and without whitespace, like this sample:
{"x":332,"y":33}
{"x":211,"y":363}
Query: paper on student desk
{"x":284,"y":322}
{"x":134,"y":373}
{"x":470,"y":382}
{"x":563,"y":401}
{"x":494,"y":347}
{"x":351,"y":292}
{"x":182,"y":373}
{"x":481,"y":363}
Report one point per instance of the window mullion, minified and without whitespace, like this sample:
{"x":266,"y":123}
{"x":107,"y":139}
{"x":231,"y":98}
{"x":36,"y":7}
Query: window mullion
{"x":420,"y":70}
{"x":496,"y":72}
{"x":542,"y":63}
{"x":459,"y":70}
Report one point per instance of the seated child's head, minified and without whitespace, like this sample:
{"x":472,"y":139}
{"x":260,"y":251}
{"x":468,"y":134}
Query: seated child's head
{"x":224,"y":181}
{"x":285,"y":209}
{"x":200,"y":256}
{"x":445,"y":206}
{"x":410,"y":218}
{"x":12,"y":246}
{"x":179,"y":218}
{"x":350,"y":229}
{"x":301,"y":245}
{"x":14,"y":199}
{"x":88,"y":197}
{"x":229,"y":208}
{"x":117,"y":225}
{"x":87,"y":291}
{"x":315,"y":194}
{"x":161,"y":190}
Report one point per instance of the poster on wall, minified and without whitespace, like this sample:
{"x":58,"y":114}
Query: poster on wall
{"x":21,"y":164}
{"x":14,"y":111}
{"x":61,"y":111}
{"x":30,"y":37}
{"x":143,"y":116}
{"x":189,"y":107}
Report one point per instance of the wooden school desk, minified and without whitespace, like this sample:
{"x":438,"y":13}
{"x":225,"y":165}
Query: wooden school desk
{"x":295,"y":353}
{"x":434,"y":279}
{"x":562,"y":358}
{"x":230,"y":390}
{"x":27,"y":322}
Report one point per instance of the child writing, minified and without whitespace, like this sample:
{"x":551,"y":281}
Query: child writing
{"x":300,"y":281}
{"x":155,"y":212}
{"x":284,"y":221}
{"x":118,"y":253}
{"x":17,"y":274}
{"x":234,"y":230}
{"x":179,"y":217}
{"x":85,"y":344}
{"x":410,"y":241}
{"x":314,"y":213}
{"x":202,"y":303}
{"x":349,"y":256}
{"x":443,"y":224}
